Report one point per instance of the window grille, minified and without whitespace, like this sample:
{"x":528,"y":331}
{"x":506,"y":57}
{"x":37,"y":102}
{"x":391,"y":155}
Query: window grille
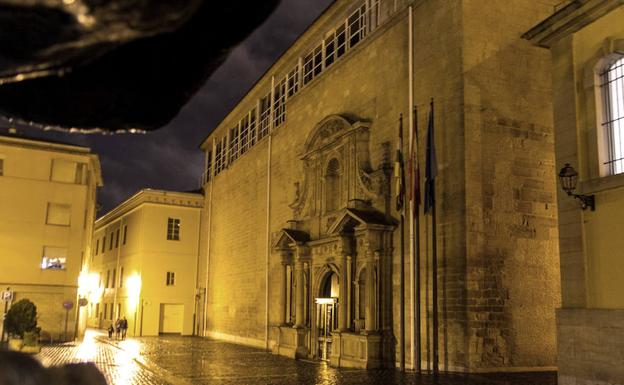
{"x":265,"y":115}
{"x":244,"y":134}
{"x":357,"y":26}
{"x":341,"y":41}
{"x":279,"y":103}
{"x":173,"y":229}
{"x":330,"y":49}
{"x":220,"y":153}
{"x":253,"y":130}
{"x":170,"y":278}
{"x":293,"y":81}
{"x":612,"y":86}
{"x":308,"y":67}
{"x":318,"y":60}
{"x":233,"y":147}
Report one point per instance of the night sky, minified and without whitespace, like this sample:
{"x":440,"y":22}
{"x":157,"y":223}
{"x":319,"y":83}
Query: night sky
{"x":169,"y":158}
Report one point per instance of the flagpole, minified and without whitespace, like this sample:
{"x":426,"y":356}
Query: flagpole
{"x":416,"y":245}
{"x":412,"y":203}
{"x":434,"y":268}
{"x":402,"y":248}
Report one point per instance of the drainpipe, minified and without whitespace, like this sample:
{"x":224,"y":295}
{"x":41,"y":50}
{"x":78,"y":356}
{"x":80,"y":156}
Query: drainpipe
{"x":268,"y":243}
{"x":212,"y":176}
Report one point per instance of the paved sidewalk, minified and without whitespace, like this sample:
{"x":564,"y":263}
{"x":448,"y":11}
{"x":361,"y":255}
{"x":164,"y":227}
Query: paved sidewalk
{"x":176,"y":360}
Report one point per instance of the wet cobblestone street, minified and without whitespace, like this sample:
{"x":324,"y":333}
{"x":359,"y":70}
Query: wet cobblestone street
{"x":193,"y":360}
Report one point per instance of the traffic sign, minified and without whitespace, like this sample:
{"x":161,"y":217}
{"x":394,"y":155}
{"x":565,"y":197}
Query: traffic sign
{"x":7,"y":295}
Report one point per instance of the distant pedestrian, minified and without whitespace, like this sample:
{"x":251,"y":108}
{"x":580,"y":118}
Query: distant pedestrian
{"x":124,"y":328}
{"x":117,"y":328}
{"x":110,"y":331}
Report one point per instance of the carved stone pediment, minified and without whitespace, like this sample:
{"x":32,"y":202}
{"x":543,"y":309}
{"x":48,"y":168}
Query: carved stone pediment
{"x":337,"y":169}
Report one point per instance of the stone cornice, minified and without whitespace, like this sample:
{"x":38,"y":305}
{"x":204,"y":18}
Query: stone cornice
{"x":569,"y":19}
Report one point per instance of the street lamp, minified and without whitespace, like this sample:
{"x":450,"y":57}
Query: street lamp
{"x":569,"y":178}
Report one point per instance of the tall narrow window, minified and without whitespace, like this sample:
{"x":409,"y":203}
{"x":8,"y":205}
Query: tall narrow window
{"x":103,"y":243}
{"x":107,"y":279}
{"x":612,"y":86}
{"x":265,"y":116}
{"x":253,"y":128}
{"x":233,"y":146}
{"x":125,"y":234}
{"x":244,"y":135}
{"x":1,"y":166}
{"x":332,"y":185}
{"x":97,"y":246}
{"x":113,"y":280}
{"x":293,"y":81}
{"x":357,"y":26}
{"x":173,"y":229}
{"x":279,"y":103}
{"x":170,"y":278}
{"x":117,"y":238}
{"x":110,"y":243}
{"x":121,"y":274}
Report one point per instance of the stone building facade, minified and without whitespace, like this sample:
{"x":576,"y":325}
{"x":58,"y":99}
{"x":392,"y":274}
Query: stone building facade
{"x":144,"y":261}
{"x":586,"y":41}
{"x":300,"y":247}
{"x":47,"y":208}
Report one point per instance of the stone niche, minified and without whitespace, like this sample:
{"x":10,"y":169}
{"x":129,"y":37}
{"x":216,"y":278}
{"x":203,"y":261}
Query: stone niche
{"x":331,"y":280}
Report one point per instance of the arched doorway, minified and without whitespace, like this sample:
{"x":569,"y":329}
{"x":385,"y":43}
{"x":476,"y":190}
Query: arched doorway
{"x":327,"y":314}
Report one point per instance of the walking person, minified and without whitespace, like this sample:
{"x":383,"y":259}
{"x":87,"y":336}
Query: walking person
{"x":110,"y":331}
{"x":124,"y":328}
{"x":117,"y":328}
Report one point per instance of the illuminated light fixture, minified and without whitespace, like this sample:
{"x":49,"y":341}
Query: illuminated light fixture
{"x":569,"y":178}
{"x":133,"y":283}
{"x":321,"y":301}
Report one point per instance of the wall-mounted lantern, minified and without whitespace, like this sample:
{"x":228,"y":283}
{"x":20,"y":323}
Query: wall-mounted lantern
{"x":569,"y":178}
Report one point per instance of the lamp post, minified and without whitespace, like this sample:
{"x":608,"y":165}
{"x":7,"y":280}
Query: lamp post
{"x":569,"y":178}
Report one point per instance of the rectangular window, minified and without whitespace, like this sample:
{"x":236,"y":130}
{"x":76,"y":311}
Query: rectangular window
{"x":58,"y":214}
{"x":103,"y":244}
{"x":265,"y":116}
{"x":208,"y":172}
{"x":110,"y":244}
{"x":279,"y":103}
{"x":105,"y":310}
{"x":318,"y":60}
{"x":244,"y":134}
{"x":1,"y":166}
{"x":612,"y":87}
{"x":293,"y":81}
{"x":68,"y":171}
{"x":97,"y":246}
{"x":233,"y":146}
{"x":54,"y":258}
{"x":113,"y":280}
{"x":121,"y":273}
{"x":330,"y":49}
{"x":220,"y":155}
{"x":173,"y":229}
{"x":111,"y":311}
{"x":125,"y":234}
{"x":357,"y":26}
{"x":253,"y":128}
{"x":170,"y":278}
{"x":308,"y":66}
{"x":341,"y":41}
{"x":107,"y":279}
{"x":97,"y":310}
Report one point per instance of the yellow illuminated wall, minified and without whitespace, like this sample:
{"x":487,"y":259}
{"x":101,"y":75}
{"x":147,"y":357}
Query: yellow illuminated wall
{"x":31,"y":186}
{"x":144,"y":297}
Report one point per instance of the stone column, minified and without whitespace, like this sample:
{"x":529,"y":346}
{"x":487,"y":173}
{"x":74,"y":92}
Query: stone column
{"x":343,"y":300}
{"x":299,"y":318}
{"x":371,"y":297}
{"x":282,"y":293}
{"x":349,"y":293}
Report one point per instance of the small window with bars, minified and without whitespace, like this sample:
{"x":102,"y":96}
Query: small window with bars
{"x":279,"y":103}
{"x":265,"y":116}
{"x":612,"y":87}
{"x":330,"y":49}
{"x":253,"y":128}
{"x":220,"y":155}
{"x":233,"y":147}
{"x":173,"y":229}
{"x":293,"y":81}
{"x":244,"y":134}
